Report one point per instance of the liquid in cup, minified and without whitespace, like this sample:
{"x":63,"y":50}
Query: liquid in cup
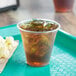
{"x":63,"y":5}
{"x":38,"y":38}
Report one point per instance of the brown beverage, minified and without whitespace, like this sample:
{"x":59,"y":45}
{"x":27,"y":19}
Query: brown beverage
{"x":38,"y":39}
{"x":63,"y":5}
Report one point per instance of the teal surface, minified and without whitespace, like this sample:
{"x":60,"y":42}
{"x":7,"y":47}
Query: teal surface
{"x":62,"y":63}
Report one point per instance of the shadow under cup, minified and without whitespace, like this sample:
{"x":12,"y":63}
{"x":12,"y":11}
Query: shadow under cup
{"x":38,"y":45}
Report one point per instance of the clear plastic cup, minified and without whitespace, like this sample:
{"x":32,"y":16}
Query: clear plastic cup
{"x":63,"y":5}
{"x":38,"y":45}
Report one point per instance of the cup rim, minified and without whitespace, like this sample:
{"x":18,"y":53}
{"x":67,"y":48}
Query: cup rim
{"x":18,"y":26}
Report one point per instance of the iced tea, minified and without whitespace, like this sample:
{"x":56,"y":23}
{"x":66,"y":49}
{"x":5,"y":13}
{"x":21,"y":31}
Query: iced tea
{"x":38,"y":39}
{"x":63,"y":5}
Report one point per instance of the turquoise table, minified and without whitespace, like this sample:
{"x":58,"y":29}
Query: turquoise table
{"x":62,"y":63}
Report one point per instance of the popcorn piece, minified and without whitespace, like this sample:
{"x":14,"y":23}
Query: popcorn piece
{"x":6,"y":45}
{"x":4,"y":52}
{"x":10,"y":43}
{"x":2,"y":40}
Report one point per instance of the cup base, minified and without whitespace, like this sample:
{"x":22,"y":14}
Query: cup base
{"x":63,"y":10}
{"x":37,"y":64}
